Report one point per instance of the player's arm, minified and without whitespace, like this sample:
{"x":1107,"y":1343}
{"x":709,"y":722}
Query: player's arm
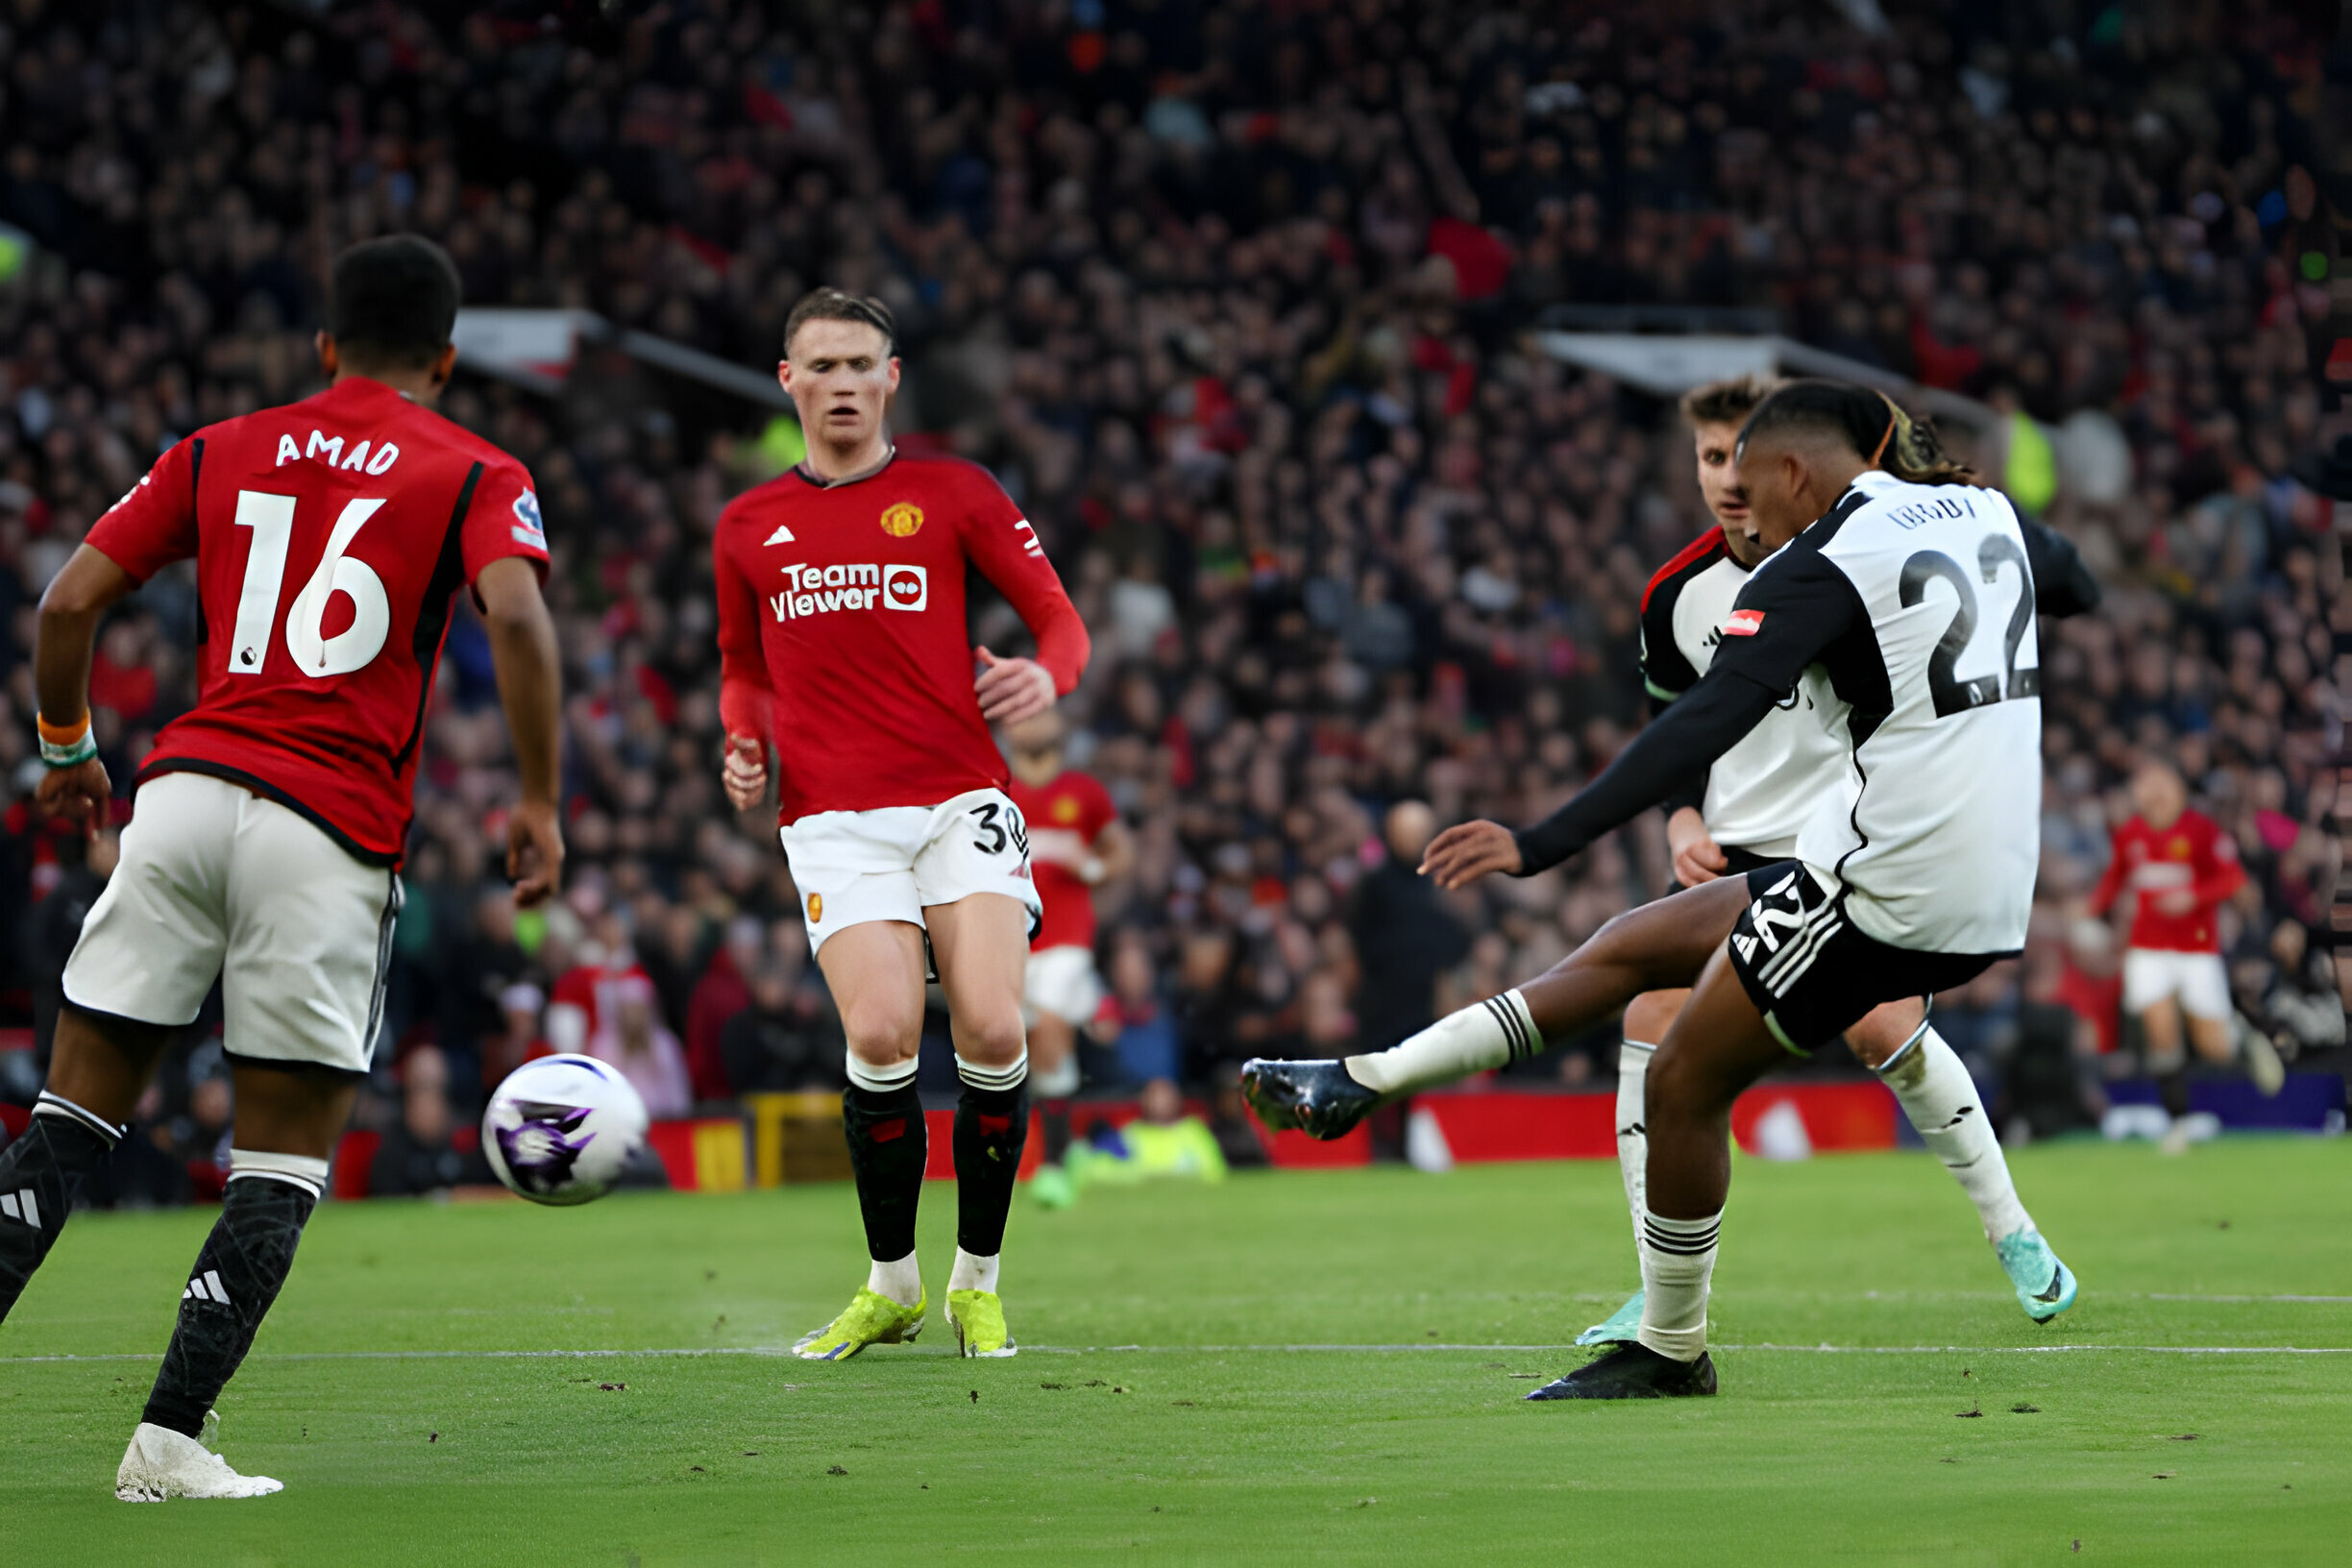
{"x":2221,"y":872}
{"x":530,"y":669}
{"x":1800,"y":606}
{"x":76,"y":785}
{"x":141,"y":534}
{"x":2111,"y":880}
{"x":1001,"y":542}
{"x":2062,"y":585}
{"x":743,"y":692}
{"x":1666,"y":675}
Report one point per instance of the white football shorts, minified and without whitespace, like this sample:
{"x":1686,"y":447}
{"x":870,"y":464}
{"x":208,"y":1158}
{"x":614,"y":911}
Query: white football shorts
{"x":216,"y":881}
{"x":1061,"y":981}
{"x":2151,"y":974}
{"x":893,"y":863}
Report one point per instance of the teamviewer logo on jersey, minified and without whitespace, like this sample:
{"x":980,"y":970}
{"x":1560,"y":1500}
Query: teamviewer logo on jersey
{"x":905,"y":588}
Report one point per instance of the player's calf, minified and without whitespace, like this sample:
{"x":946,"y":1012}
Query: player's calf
{"x":239,"y":1272}
{"x":39,"y":1174}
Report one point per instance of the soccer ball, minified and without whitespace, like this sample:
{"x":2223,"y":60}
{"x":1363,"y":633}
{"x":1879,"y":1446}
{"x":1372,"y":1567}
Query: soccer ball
{"x":559,"y":1129}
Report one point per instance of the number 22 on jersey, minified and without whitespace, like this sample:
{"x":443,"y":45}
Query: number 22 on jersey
{"x":271,"y":517}
{"x":1950,"y":693}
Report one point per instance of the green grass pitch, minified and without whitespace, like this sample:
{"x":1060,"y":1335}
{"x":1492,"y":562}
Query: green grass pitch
{"x":1288,"y":1368}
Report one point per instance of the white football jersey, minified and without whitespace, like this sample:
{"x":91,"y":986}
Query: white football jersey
{"x":1759,"y":793}
{"x":1916,"y":604}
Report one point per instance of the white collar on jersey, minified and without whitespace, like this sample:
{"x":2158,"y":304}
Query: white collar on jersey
{"x":890,"y":454}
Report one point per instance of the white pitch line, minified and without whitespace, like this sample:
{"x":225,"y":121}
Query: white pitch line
{"x":774,"y":1350}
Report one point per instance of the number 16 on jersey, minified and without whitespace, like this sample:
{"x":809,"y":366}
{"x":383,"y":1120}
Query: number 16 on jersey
{"x":271,"y":517}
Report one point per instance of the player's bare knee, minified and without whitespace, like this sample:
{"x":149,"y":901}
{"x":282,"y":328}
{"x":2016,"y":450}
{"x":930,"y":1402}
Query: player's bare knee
{"x":994,"y":1038}
{"x":1649,"y":1015}
{"x":883,"y":1031}
{"x":1886,"y":1030}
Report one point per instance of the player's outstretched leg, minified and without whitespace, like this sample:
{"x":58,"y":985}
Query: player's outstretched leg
{"x":889,"y":1146}
{"x":1939,"y":1099}
{"x":1651,"y":948}
{"x":244,"y":1262}
{"x":1717,"y":1047}
{"x":39,"y":1174}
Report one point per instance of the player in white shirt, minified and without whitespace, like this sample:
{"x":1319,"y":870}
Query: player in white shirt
{"x":1911,"y":875}
{"x":1746,"y":813}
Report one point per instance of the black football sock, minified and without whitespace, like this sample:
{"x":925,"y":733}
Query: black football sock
{"x":2173,"y":1086}
{"x":237,"y":1275}
{"x":1054,"y":1121}
{"x":889,"y":1146}
{"x":991,"y":1129}
{"x":39,"y":1174}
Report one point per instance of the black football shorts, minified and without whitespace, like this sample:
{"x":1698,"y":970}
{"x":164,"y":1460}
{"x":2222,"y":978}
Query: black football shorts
{"x":1812,"y":975}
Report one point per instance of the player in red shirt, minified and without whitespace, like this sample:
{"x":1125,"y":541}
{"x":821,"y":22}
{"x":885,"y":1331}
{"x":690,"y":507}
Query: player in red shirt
{"x":329,"y":537}
{"x":1076,"y":843}
{"x":2178,"y":866}
{"x":841,"y":638}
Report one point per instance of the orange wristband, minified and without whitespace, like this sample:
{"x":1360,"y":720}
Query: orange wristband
{"x":62,"y":734}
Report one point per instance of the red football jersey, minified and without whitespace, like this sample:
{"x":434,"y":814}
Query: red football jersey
{"x":842,"y":628}
{"x":2193,"y":855}
{"x":330,"y":536}
{"x":1066,"y":815}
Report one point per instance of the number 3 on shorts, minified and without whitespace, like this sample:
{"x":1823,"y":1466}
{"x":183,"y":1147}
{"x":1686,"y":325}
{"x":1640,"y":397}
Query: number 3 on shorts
{"x":1000,"y":824}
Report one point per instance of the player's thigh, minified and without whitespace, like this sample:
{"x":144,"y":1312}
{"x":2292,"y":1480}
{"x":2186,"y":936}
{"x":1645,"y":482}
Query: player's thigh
{"x":2216,"y":1040}
{"x":978,"y":844}
{"x":310,"y":945}
{"x":2151,"y":978}
{"x":2201,"y":983}
{"x":1886,"y":1029}
{"x":291,"y":1108}
{"x":875,"y":970}
{"x":856,"y":868}
{"x":152,"y":945}
{"x":102,"y":1064}
{"x":1649,"y":1015}
{"x":981,"y":945}
{"x":1718,"y":1045}
{"x":1657,"y":946}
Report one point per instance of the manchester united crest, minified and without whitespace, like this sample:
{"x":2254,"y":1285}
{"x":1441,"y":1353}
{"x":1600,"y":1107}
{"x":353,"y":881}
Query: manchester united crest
{"x":902,"y":521}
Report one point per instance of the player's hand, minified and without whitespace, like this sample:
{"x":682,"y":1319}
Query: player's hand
{"x":2176,"y":901}
{"x":1463,"y":854}
{"x":534,"y":852}
{"x":1697,"y":857}
{"x":1011,"y":690}
{"x":80,"y":793}
{"x":746,"y":774}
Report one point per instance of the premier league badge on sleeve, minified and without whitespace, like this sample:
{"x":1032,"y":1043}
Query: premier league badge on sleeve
{"x":528,"y":529}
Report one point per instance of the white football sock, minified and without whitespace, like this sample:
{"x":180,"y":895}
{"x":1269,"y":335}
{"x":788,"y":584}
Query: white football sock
{"x":1937,"y":1094}
{"x":1633,"y":1137}
{"x":899,"y":1279}
{"x":1478,"y":1038}
{"x":972,"y":1272}
{"x":1677,"y":1259}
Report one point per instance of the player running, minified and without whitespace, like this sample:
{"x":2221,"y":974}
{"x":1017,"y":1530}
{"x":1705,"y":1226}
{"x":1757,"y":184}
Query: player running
{"x":1076,"y":843}
{"x":1746,"y":813}
{"x":842,"y":639}
{"x":1914,"y":876}
{"x":2179,"y":865}
{"x":331,"y":537}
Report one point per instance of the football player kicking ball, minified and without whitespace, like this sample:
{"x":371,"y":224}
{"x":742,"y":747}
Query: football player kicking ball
{"x":331,"y":537}
{"x":1746,"y":812}
{"x":1913,"y":876}
{"x":842,"y":640}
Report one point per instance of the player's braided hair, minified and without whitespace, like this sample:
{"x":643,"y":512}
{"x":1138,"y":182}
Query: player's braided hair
{"x":1871,"y":423}
{"x":840,"y":304}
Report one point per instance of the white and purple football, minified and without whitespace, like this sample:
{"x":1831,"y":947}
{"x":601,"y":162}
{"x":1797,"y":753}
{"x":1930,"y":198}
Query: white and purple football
{"x":559,"y":1129}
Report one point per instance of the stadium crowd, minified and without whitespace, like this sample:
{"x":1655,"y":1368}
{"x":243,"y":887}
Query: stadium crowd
{"x":1234,"y":297}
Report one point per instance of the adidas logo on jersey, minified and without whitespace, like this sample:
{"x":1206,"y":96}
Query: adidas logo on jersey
{"x":782,"y":536}
{"x":819,"y":590}
{"x":19,"y":1205}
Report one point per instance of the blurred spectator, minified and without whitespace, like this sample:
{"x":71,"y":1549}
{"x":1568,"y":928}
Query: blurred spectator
{"x":1405,"y":936}
{"x":419,"y":1153}
{"x":785,"y":1039}
{"x":634,"y":1039}
{"x":521,"y":1041}
{"x":1146,"y":1041}
{"x":723,"y":991}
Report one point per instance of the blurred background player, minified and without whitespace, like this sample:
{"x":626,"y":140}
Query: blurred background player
{"x":1076,"y":843}
{"x":842,"y":638}
{"x":2178,"y":867}
{"x":272,"y":819}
